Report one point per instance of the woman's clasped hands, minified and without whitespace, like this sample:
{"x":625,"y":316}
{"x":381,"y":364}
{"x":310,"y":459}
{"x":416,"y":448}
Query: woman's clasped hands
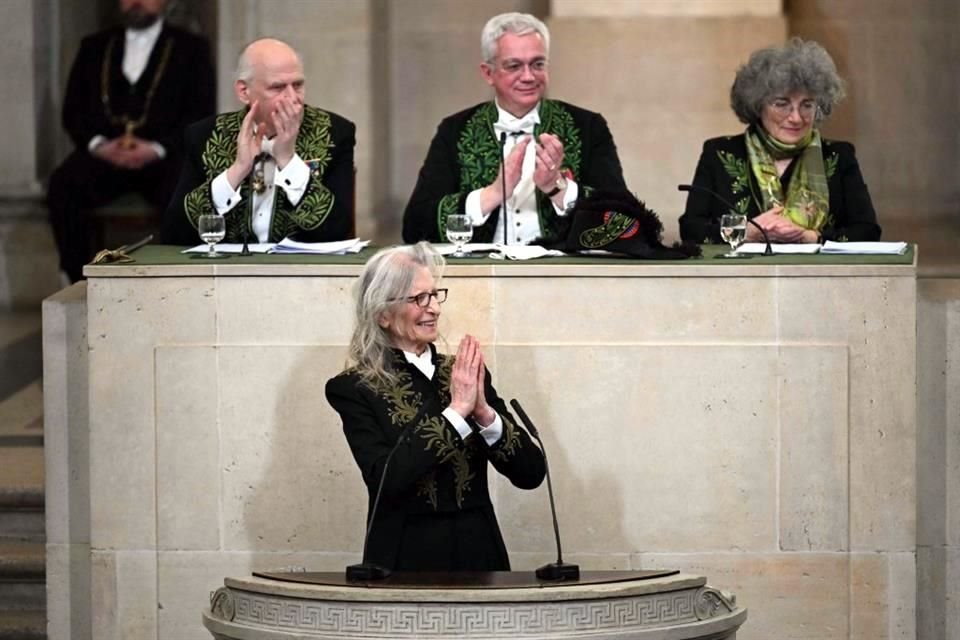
{"x":467,"y":396}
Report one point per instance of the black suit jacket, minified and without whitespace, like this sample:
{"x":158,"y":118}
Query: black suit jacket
{"x":185,"y":91}
{"x":434,"y":472}
{"x":324,"y":213}
{"x":465,"y":155}
{"x":725,"y":169}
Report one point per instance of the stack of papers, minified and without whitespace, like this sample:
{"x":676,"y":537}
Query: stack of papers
{"x":339,"y":248}
{"x":872,"y":248}
{"x":760,"y":247}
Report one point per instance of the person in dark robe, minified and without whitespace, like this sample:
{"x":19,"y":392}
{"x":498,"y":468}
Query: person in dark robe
{"x":439,"y":415}
{"x":132,"y":91}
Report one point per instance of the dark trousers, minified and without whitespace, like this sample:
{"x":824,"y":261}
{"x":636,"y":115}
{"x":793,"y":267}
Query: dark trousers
{"x":83,"y":182}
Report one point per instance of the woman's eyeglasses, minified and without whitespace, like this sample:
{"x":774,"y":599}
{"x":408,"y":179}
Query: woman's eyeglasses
{"x":423,"y":299}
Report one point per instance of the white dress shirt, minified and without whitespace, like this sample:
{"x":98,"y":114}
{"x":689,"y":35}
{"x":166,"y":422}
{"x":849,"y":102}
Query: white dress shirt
{"x":491,"y":433}
{"x":522,"y":219}
{"x":293,"y":179}
{"x":138,"y":45}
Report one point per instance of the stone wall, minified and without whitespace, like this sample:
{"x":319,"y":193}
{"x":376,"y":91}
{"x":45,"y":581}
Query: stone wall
{"x":938,"y":459}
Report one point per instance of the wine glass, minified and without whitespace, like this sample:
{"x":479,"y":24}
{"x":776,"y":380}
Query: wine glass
{"x":212,"y":230}
{"x":733,"y":230}
{"x":459,"y":232}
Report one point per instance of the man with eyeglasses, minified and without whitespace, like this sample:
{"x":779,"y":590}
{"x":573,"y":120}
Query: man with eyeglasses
{"x":552,"y":152}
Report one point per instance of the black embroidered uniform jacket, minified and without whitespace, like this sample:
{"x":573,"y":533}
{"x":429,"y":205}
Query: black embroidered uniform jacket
{"x":465,"y":155}
{"x":724,"y":167}
{"x":325,"y":143}
{"x":435,"y":475}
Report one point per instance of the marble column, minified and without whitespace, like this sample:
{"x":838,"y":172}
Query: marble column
{"x":18,"y":155}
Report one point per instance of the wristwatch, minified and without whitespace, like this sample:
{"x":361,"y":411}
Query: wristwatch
{"x":559,"y":185}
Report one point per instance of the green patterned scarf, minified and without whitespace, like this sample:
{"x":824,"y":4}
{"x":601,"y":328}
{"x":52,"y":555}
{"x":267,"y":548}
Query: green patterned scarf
{"x":807,"y":201}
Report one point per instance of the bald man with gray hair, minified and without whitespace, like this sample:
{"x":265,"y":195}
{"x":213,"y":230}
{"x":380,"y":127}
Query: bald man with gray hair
{"x":277,"y":168}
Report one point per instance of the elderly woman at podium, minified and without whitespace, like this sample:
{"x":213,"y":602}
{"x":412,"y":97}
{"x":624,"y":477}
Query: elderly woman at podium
{"x":422,"y":425}
{"x":781,"y":173}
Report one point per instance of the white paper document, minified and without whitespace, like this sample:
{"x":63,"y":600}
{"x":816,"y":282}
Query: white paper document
{"x":872,"y":248}
{"x":339,"y":248}
{"x":760,"y":247}
{"x":447,"y":249}
{"x":230,"y":247}
{"x":524,"y":252}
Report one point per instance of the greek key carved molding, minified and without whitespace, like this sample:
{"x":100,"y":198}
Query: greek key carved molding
{"x":441,"y":620}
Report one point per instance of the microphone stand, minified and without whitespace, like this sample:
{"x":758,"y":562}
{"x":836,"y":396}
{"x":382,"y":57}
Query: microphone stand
{"x":768,"y":251}
{"x":558,"y":570}
{"x":503,"y":184}
{"x":369,"y":571}
{"x":245,"y":250}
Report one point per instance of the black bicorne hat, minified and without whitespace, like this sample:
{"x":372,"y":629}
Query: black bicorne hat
{"x":617,"y":222}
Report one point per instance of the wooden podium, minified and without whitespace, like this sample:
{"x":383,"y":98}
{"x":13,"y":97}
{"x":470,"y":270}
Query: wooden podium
{"x":647,"y":605}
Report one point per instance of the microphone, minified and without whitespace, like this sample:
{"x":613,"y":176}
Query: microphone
{"x":368,"y":571}
{"x":503,"y":184}
{"x":558,"y":570}
{"x":768,"y":251}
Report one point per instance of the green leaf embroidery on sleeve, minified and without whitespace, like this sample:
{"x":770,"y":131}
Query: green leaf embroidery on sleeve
{"x":830,"y":165}
{"x":447,"y":207}
{"x":743,"y":205}
{"x":736,"y":168}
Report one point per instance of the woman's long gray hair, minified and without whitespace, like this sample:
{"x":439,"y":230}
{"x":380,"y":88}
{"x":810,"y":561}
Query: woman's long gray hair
{"x":384,"y":281}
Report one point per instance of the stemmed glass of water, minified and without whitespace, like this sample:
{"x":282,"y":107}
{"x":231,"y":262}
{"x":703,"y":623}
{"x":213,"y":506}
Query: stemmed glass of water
{"x":733,"y":230}
{"x":459,"y":232}
{"x":212,"y":230}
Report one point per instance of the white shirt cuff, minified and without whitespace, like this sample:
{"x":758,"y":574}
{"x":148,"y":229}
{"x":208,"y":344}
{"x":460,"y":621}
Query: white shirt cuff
{"x":492,"y":432}
{"x":225,"y":197}
{"x":569,"y":197}
{"x":458,"y":422}
{"x":161,"y":152}
{"x":293,"y":179}
{"x":472,"y":208}
{"x":95,"y":142}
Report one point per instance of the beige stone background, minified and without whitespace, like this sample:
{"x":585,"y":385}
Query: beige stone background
{"x":659,"y":70}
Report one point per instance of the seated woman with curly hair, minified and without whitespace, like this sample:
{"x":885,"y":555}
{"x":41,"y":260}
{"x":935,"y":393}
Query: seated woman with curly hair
{"x":798,"y":186}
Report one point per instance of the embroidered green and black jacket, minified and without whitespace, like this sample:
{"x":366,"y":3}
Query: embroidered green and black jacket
{"x":465,"y":155}
{"x":434,"y":474}
{"x":725,"y":169}
{"x":325,"y":143}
